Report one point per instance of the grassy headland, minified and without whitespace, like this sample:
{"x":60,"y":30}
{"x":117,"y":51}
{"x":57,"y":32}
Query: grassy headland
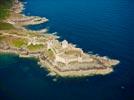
{"x":60,"y":58}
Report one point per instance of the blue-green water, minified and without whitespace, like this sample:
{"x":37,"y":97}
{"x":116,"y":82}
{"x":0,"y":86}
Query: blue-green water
{"x":103,"y":26}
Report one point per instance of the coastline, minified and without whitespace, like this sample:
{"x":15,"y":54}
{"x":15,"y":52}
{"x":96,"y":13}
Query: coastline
{"x":54,"y":72}
{"x":46,"y":62}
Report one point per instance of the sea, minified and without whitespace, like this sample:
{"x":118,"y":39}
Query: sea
{"x":103,"y":27}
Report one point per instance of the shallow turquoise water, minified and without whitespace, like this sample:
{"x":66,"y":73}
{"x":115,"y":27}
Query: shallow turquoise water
{"x":104,"y":27}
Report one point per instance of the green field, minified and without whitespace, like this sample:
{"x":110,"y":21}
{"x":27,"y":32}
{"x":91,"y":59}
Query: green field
{"x":6,"y":26}
{"x":18,"y":43}
{"x":2,"y":38}
{"x":37,"y":47}
{"x":5,"y":6}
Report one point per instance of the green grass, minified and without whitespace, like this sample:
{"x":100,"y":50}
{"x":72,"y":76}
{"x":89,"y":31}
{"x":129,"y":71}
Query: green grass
{"x":18,"y":43}
{"x":5,"y":5}
{"x":6,"y":26}
{"x":4,"y":13}
{"x":35,"y":47}
{"x":2,"y":38}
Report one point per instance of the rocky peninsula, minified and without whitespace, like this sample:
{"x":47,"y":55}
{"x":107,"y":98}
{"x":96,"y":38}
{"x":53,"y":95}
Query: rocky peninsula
{"x":58,"y":57}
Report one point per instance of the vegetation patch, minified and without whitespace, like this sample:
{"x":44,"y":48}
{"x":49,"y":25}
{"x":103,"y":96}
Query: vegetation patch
{"x":2,"y":38}
{"x":6,"y":26}
{"x":19,"y":42}
{"x":5,"y":6}
{"x":36,"y":47}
